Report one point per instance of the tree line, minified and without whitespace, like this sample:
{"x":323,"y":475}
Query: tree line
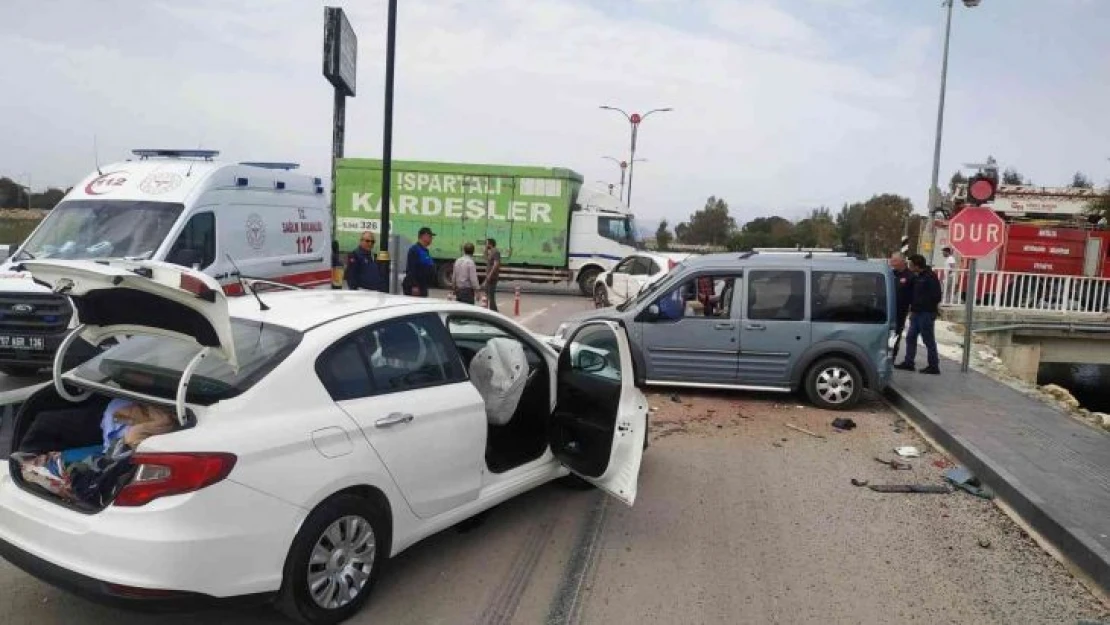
{"x":872,"y":227}
{"x":15,"y":195}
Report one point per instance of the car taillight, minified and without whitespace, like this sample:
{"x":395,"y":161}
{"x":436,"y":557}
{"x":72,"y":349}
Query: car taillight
{"x":162,"y":475}
{"x":671,"y":264}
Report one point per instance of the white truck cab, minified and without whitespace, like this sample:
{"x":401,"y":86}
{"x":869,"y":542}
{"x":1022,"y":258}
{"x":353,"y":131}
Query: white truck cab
{"x":602,"y":232}
{"x":177,"y":206}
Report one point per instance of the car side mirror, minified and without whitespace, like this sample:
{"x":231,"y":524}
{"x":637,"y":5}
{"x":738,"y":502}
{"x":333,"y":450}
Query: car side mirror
{"x":185,"y":257}
{"x":590,"y":362}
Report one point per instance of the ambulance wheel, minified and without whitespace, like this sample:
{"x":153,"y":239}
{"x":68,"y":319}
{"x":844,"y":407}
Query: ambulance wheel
{"x":444,"y":273}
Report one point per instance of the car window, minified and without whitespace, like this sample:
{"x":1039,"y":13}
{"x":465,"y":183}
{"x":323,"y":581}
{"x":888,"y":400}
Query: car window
{"x":470,"y":335}
{"x":196,"y":243}
{"x":652,"y":267}
{"x":641,"y":266}
{"x":593,"y":351}
{"x":776,"y":295}
{"x":625,"y":266}
{"x":705,"y":297}
{"x":849,"y":297}
{"x":342,"y":370}
{"x":411,"y":353}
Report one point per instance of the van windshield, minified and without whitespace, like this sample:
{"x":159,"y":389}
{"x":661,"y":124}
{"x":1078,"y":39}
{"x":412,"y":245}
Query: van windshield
{"x":78,"y":229}
{"x":153,"y":364}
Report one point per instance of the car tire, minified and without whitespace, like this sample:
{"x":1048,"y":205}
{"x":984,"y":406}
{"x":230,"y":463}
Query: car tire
{"x":601,"y":295}
{"x":18,"y":371}
{"x":834,"y":384}
{"x":586,"y":280}
{"x":338,"y":527}
{"x":444,"y":273}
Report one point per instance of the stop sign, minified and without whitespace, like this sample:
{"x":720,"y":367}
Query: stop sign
{"x":976,"y":232}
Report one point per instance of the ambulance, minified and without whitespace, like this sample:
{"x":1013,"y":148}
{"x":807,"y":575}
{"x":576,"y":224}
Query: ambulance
{"x":231,"y":220}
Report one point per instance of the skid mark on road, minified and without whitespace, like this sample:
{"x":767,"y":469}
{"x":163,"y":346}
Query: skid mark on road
{"x":502,"y":606}
{"x":566,"y":609}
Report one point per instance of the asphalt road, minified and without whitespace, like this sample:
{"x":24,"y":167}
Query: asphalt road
{"x":739,"y":519}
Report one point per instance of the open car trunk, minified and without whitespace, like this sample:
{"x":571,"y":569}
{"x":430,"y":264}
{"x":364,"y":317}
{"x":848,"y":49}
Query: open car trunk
{"x":71,"y":454}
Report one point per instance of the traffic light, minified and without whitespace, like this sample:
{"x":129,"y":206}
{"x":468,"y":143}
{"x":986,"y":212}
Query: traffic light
{"x":980,"y":189}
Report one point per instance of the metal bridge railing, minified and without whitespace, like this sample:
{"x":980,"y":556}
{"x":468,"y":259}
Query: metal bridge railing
{"x":1009,"y":290}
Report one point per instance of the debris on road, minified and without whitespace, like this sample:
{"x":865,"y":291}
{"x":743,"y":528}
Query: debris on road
{"x":962,"y":479}
{"x":897,"y":465}
{"x":803,"y":430}
{"x":911,"y":488}
{"x":909,"y":451}
{"x":676,"y":399}
{"x":843,"y":424}
{"x":858,"y":482}
{"x":776,"y":444}
{"x":985,"y":543}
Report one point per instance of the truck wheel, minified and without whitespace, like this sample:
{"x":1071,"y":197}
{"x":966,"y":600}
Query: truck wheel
{"x":17,"y":371}
{"x":444,"y":273}
{"x":586,"y":280}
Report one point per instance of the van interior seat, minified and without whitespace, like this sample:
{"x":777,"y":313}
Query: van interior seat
{"x":500,"y":373}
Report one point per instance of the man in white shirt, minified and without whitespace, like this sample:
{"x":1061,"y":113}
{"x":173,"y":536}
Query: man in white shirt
{"x":464,"y":277}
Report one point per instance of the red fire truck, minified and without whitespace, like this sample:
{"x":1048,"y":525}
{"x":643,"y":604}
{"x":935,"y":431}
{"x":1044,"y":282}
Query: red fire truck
{"x":1049,"y":232}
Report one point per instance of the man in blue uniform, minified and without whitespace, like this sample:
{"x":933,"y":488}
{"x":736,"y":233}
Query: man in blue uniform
{"x":363,"y":271}
{"x":420,"y":268}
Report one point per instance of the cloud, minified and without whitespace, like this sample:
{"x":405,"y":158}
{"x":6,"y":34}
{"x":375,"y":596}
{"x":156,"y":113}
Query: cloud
{"x":761,"y":22}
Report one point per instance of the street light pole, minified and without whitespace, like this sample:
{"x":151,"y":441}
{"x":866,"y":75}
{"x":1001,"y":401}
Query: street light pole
{"x":934,"y":187}
{"x":624,"y":169}
{"x":634,"y":120}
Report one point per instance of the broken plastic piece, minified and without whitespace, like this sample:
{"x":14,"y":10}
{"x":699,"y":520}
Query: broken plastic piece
{"x":858,"y":482}
{"x":843,"y":424}
{"x":961,"y":478}
{"x":895,"y":464}
{"x":908,"y":451}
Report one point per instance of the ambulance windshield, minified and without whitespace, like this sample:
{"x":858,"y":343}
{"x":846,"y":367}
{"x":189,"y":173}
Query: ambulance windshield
{"x":79,"y":229}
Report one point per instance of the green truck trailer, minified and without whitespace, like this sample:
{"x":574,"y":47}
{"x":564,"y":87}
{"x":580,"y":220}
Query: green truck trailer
{"x":549,"y":227}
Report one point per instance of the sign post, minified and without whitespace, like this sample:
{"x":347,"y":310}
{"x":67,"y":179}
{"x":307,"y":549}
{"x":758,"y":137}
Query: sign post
{"x":975,"y":232}
{"x":340,"y":56}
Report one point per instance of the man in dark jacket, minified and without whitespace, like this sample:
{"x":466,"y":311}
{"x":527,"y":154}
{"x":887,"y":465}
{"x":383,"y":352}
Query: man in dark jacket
{"x":924,"y":304}
{"x":363,"y":271}
{"x":420,"y":267}
{"x":903,"y":295}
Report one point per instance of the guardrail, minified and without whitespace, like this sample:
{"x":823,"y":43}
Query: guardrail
{"x":1009,"y":290}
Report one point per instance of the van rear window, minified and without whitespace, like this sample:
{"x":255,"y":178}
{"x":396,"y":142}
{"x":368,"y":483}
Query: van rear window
{"x":849,"y":297}
{"x":154,"y":364}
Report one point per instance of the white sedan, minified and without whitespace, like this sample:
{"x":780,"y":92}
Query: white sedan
{"x":628,"y":277}
{"x":314,"y":434}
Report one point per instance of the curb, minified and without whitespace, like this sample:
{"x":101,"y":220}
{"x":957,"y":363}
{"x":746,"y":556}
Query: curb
{"x":1073,"y":543}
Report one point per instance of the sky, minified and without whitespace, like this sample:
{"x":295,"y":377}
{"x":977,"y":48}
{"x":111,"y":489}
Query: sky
{"x":780,"y":106}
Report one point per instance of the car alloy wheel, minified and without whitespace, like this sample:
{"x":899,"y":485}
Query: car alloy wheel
{"x":341,"y":562}
{"x":835,"y":385}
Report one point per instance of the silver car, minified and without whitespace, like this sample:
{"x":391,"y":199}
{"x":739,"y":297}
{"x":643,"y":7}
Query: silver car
{"x":818,"y":323}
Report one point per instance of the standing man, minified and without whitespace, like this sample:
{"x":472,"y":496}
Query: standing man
{"x":493,"y":272}
{"x":363,"y":271}
{"x":924,"y":305}
{"x":464,"y":277}
{"x":420,"y":268}
{"x":903,"y":295}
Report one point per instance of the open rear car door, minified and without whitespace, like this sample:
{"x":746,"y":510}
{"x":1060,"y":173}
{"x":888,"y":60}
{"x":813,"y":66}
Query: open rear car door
{"x":600,"y":420}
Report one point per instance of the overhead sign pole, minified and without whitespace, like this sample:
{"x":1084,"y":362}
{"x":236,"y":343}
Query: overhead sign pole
{"x":975,"y":232}
{"x":340,"y":57}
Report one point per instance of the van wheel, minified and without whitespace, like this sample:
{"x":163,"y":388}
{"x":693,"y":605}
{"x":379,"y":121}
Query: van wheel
{"x":834,"y":384}
{"x":334,"y":561}
{"x":586,"y":280}
{"x":444,"y":273}
{"x":17,"y":371}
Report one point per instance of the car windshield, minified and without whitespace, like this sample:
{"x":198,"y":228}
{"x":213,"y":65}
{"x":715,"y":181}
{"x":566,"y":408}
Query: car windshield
{"x":154,"y":364}
{"x":78,"y":229}
{"x":651,"y":287}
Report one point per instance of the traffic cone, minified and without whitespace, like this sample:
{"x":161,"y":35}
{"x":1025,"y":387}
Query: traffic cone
{"x":516,"y":302}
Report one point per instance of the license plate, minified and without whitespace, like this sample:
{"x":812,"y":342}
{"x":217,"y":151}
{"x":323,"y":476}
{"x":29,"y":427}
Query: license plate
{"x":29,"y":343}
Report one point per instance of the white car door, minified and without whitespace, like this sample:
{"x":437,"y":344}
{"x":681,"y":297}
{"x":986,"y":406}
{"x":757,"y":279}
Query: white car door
{"x":410,"y":397}
{"x":599,"y":424}
{"x":617,"y":280}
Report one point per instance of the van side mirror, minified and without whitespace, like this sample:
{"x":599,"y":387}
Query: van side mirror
{"x":651,"y":313}
{"x":185,"y":257}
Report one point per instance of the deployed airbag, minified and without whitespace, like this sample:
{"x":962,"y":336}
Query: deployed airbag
{"x":499,"y":371}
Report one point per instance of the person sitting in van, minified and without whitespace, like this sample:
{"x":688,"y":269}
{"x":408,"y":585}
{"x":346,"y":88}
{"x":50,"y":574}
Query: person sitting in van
{"x":363,"y":271}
